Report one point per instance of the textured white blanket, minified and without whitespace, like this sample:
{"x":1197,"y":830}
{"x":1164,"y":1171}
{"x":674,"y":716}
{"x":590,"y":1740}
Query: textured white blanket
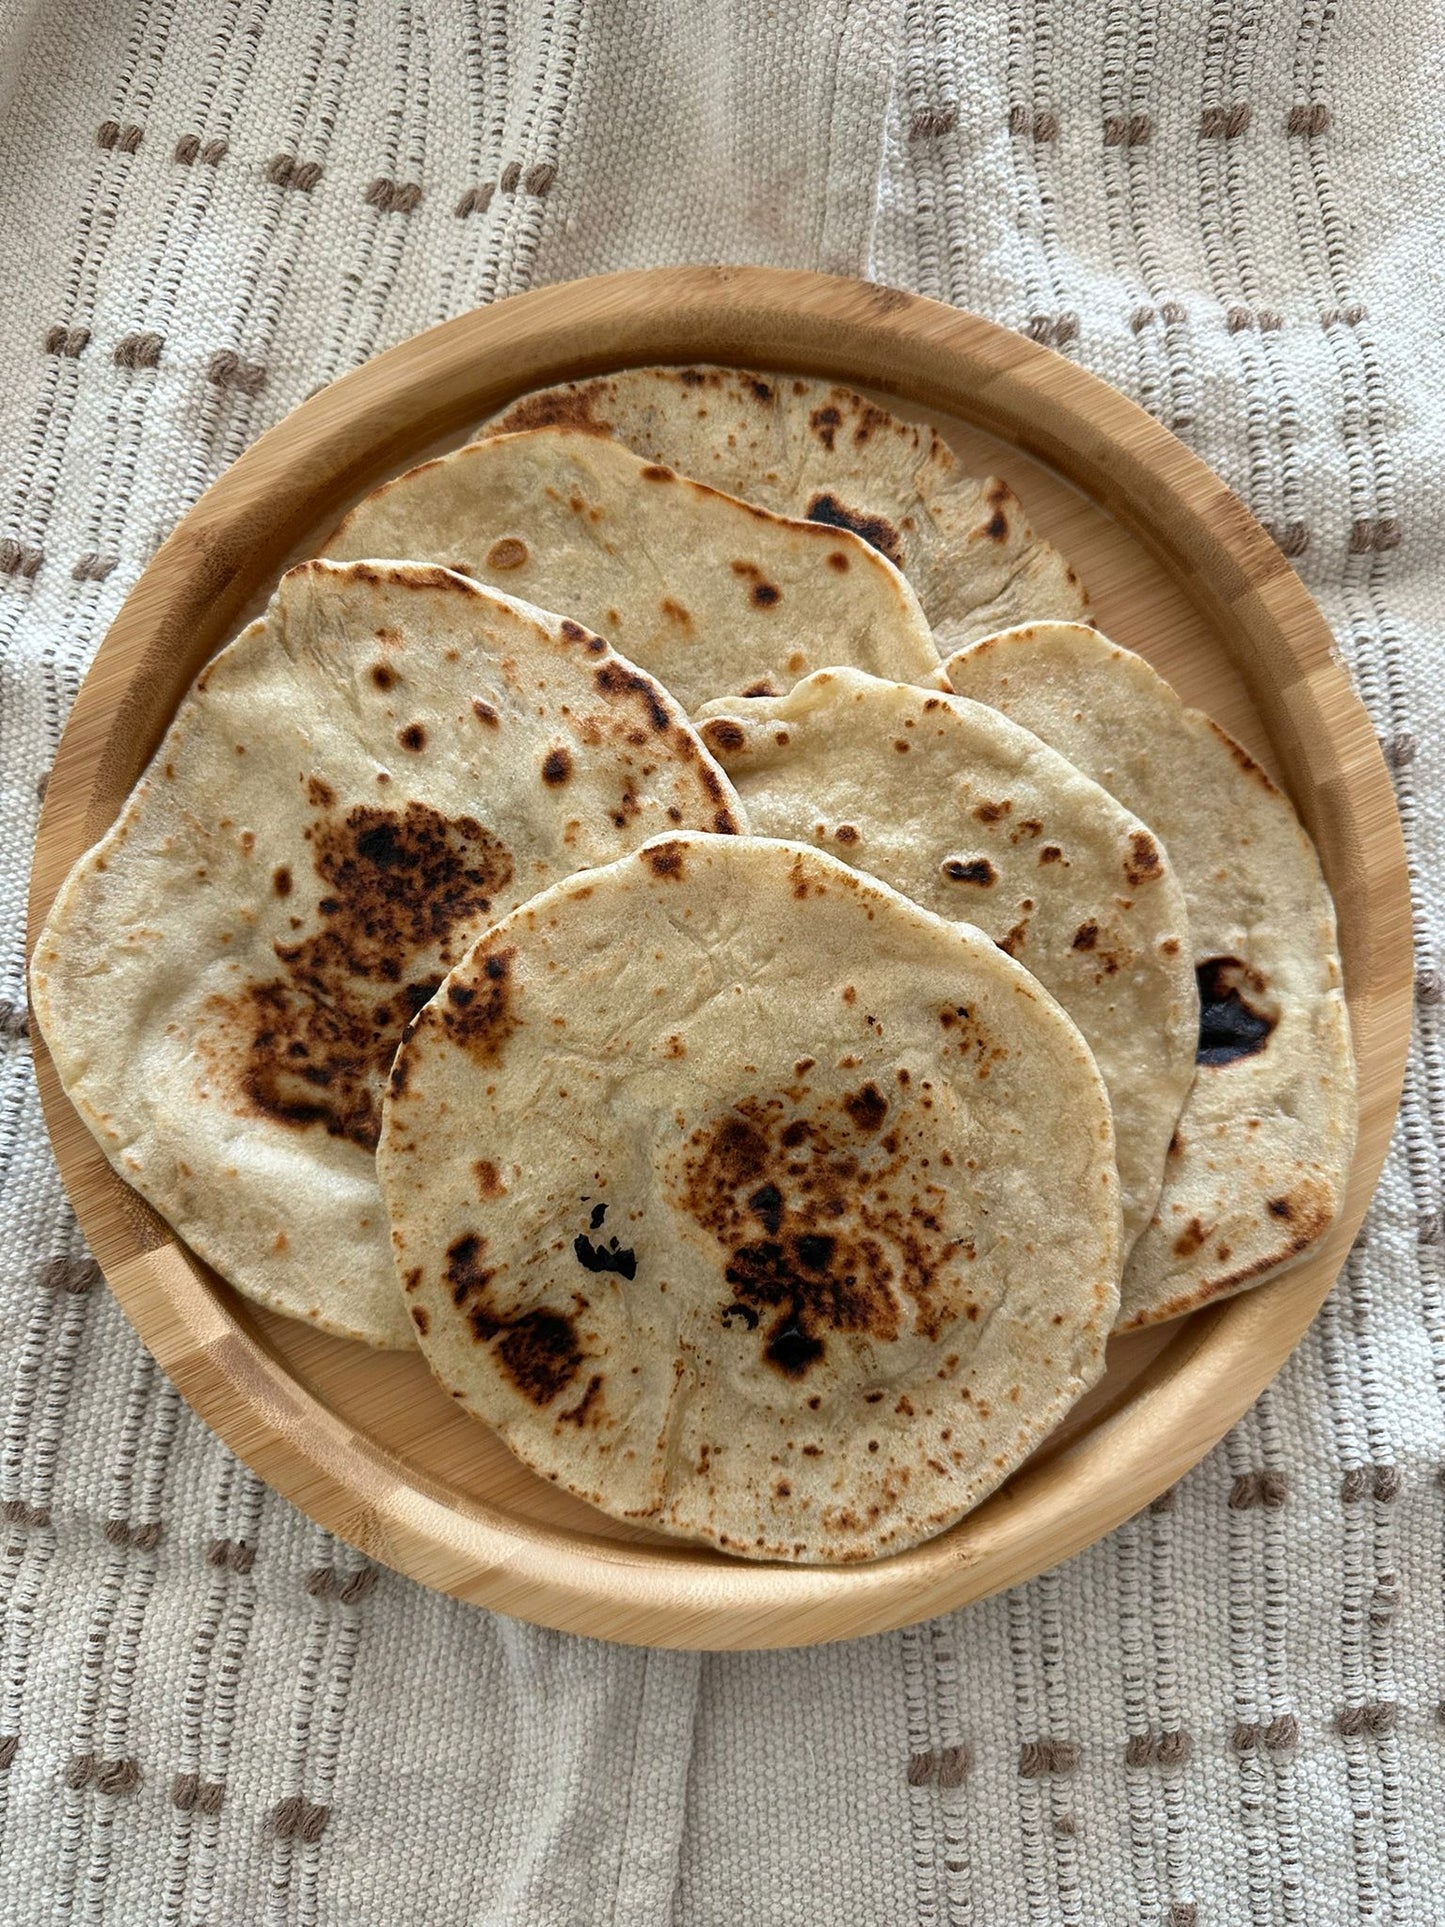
{"x":1229,"y":1712}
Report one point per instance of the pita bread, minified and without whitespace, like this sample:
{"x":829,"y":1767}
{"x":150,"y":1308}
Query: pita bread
{"x":813,"y":448}
{"x":747,"y":1199}
{"x":354,"y":788}
{"x":708,"y":594}
{"x":978,"y":820}
{"x":1259,"y":1162}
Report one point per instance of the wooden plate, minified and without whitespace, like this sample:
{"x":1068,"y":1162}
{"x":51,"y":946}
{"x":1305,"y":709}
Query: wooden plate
{"x":363,"y":1441}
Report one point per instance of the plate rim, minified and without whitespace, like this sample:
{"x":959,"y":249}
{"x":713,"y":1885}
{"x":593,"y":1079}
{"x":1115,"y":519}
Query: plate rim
{"x":1219,"y":1360}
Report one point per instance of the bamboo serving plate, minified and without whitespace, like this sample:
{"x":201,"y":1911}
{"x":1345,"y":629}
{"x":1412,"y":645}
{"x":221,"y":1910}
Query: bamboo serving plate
{"x":365,"y":1442}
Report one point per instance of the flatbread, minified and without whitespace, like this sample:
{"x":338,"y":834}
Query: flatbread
{"x":816,"y":449}
{"x":710,"y":595}
{"x":1259,"y":1162}
{"x":977,"y":820}
{"x":746,"y":1199}
{"x":353,"y":789}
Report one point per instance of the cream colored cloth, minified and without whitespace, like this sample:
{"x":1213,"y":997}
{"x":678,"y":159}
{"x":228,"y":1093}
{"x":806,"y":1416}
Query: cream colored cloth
{"x":1226,"y":1713}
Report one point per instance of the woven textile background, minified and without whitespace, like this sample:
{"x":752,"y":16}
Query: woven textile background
{"x":1230,"y":1711}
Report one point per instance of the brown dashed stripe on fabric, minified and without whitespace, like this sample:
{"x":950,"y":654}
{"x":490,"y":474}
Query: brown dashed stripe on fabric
{"x":16,"y":1512}
{"x":1291,"y":538}
{"x":91,"y":567}
{"x":14,"y":1021}
{"x":1183,"y":1913}
{"x":141,"y":350}
{"x":227,"y":369}
{"x":76,"y":1276}
{"x":393,"y":197}
{"x":126,"y":139}
{"x":296,"y":1818}
{"x":1373,"y":1718}
{"x":9,"y":1747}
{"x":1352,"y":314}
{"x":1258,"y":1489}
{"x":234,"y":1553}
{"x":1159,"y":1749}
{"x":1311,"y":119}
{"x":120,"y":1532}
{"x":946,"y":1767}
{"x":106,"y":1776}
{"x":1381,"y":1482}
{"x":61,"y":340}
{"x":324,"y":1582}
{"x":284,"y":170}
{"x":192,"y":1794}
{"x":476,"y":200}
{"x":538,"y":180}
{"x":1038,"y":1757}
{"x":929,"y":122}
{"x":1128,"y":130}
{"x":511,"y":175}
{"x":1054,"y":331}
{"x":1224,"y":123}
{"x":214,"y":152}
{"x":19,"y":558}
{"x":1280,"y":1735}
{"x":1429,"y":987}
{"x":1374,"y":532}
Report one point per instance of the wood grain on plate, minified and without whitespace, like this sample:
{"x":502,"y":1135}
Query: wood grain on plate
{"x":364,"y":1442}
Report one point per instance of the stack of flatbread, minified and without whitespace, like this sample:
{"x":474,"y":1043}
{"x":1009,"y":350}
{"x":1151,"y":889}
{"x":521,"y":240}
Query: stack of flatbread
{"x":679,"y":915}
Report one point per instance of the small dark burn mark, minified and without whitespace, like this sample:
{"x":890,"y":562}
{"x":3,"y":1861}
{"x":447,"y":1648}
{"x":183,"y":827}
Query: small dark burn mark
{"x":489,"y":1179}
{"x":383,"y":675}
{"x":482,"y":1019}
{"x":1050,"y":853}
{"x":655,"y":472}
{"x":556,"y":767}
{"x":664,"y":860}
{"x":541,"y":1355}
{"x":413,"y":737}
{"x":421,"y":1318}
{"x":839,"y":561}
{"x":867,"y":1107}
{"x":615,"y":679}
{"x":599,"y":1212}
{"x":1190,"y":1239}
{"x":975,"y":869}
{"x":825,"y":423}
{"x":996,"y":527}
{"x":608,"y":1257}
{"x":724,"y":736}
{"x":766,"y":1203}
{"x":1229,"y":1027}
{"x":281,"y":881}
{"x":993,"y":812}
{"x":320,"y":795}
{"x":539,"y":1351}
{"x":902,"y":747}
{"x":1281,"y":1208}
{"x":764,"y":688}
{"x":766,"y":594}
{"x":1143,"y":863}
{"x":760,"y":390}
{"x":1086,"y":937}
{"x":740,"y":1313}
{"x":485,"y":713}
{"x":876,"y":530}
{"x":792,"y":1349}
{"x":509,"y":553}
{"x":581,"y":1412}
{"x":846,"y":833}
{"x":673,"y":610}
